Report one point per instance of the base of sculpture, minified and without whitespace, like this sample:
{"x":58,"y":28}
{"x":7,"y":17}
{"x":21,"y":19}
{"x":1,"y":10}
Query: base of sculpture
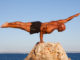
{"x":47,"y":51}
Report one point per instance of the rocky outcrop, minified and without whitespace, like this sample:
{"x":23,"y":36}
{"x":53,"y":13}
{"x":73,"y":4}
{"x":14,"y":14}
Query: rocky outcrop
{"x":47,"y":51}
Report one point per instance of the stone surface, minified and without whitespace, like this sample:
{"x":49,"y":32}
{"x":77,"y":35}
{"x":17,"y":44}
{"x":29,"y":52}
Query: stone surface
{"x":47,"y":51}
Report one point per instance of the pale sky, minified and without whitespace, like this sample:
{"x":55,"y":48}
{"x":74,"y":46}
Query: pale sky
{"x":15,"y":40}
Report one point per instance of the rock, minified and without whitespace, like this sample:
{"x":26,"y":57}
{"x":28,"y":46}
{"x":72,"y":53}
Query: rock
{"x":47,"y":51}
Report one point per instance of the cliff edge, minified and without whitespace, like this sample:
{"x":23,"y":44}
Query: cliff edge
{"x":47,"y":51}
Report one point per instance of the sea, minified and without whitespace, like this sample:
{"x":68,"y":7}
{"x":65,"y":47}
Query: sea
{"x":18,"y":56}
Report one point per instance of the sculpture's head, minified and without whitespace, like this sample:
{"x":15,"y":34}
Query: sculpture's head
{"x":61,"y":27}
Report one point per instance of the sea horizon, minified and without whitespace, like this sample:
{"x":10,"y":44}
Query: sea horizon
{"x":22,"y":56}
{"x":26,"y":52}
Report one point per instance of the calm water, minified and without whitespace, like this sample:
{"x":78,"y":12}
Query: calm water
{"x":12,"y":56}
{"x":73,"y":56}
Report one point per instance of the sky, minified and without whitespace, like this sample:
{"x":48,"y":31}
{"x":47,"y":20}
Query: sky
{"x":19,"y":41}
